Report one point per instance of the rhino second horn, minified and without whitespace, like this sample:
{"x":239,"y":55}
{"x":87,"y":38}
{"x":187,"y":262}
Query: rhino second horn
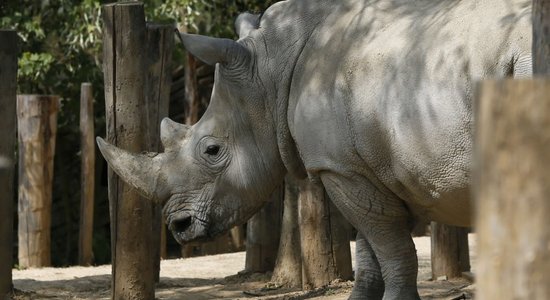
{"x":171,"y":133}
{"x":141,"y":171}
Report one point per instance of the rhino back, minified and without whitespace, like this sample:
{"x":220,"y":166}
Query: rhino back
{"x":384,"y":89}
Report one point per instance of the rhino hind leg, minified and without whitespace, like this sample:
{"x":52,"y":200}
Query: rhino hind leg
{"x":394,"y":248}
{"x":369,"y":283}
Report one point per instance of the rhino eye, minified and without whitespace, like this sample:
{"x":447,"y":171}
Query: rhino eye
{"x":212,"y":150}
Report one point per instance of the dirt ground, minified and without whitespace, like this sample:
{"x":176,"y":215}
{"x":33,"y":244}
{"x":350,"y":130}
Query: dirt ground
{"x":214,"y":277}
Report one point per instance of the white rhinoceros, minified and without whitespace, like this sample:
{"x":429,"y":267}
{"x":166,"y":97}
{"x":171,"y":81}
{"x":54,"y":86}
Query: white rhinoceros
{"x":372,"y":98}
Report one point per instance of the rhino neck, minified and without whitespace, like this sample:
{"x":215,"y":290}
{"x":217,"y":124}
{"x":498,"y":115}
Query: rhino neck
{"x":285,"y":30}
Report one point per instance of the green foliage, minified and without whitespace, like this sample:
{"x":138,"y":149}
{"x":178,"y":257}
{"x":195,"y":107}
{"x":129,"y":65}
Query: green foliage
{"x":61,"y":48}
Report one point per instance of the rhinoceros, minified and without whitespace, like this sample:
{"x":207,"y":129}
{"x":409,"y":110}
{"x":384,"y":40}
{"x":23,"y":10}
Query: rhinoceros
{"x":374,"y":99}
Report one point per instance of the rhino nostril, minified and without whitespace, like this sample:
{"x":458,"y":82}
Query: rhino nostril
{"x":181,"y":224}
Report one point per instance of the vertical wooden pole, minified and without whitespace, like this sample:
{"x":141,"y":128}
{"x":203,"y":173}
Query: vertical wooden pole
{"x":8,"y":86}
{"x":318,"y":262}
{"x":160,"y":41}
{"x":192,"y":96}
{"x":541,"y":37}
{"x":288,"y":267}
{"x":263,"y":233}
{"x":37,"y":124}
{"x":87,"y":175}
{"x":125,"y":69}
{"x":450,"y":252}
{"x":340,"y":236}
{"x":512,"y":188}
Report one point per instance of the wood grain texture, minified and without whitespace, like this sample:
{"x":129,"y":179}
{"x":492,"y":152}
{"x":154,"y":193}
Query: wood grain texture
{"x":37,"y":126}
{"x":541,"y":37}
{"x":262,"y":235}
{"x":8,"y":87}
{"x":160,"y":42}
{"x":125,"y":70}
{"x":318,"y":261}
{"x":450,"y":252}
{"x":288,"y":266}
{"x":512,"y":188}
{"x":87,"y":175}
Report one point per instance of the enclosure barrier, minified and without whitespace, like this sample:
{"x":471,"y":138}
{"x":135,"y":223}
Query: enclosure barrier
{"x":87,"y":178}
{"x":512,"y":188}
{"x":137,"y":85}
{"x":8,"y":83}
{"x":160,"y":42}
{"x":37,"y":127}
{"x":324,"y":241}
{"x":262,"y":235}
{"x":450,"y":254}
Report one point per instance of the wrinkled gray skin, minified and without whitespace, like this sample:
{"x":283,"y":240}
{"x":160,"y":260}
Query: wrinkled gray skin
{"x":373,"y":98}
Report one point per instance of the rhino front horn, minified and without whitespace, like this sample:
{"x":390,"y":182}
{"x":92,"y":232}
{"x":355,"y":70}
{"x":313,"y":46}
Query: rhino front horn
{"x":142,"y":171}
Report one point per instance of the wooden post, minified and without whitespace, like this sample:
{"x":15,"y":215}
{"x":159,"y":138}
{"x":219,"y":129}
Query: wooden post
{"x":125,"y":69}
{"x":541,"y":37}
{"x":262,"y":235}
{"x":87,"y":175}
{"x":319,"y":259}
{"x":450,"y":252}
{"x":288,"y":267}
{"x":37,"y":126}
{"x":512,"y":188}
{"x":192,"y":97}
{"x":8,"y":86}
{"x":340,"y":232}
{"x":160,"y":41}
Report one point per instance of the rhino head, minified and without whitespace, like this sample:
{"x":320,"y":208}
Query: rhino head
{"x":217,"y":173}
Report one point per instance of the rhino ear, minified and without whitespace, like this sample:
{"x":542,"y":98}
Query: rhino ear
{"x":245,"y":23}
{"x":214,"y":50}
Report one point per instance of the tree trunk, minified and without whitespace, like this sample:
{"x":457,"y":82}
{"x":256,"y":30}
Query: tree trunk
{"x":450,"y":252}
{"x":319,"y":259}
{"x":288,"y":266}
{"x":37,"y":123}
{"x":160,"y":41}
{"x":263,"y":233}
{"x":511,"y":189}
{"x":87,"y":178}
{"x":541,"y":36}
{"x":125,"y":69}
{"x":8,"y":87}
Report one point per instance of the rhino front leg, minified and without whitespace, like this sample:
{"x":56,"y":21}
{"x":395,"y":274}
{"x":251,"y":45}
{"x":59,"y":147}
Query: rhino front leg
{"x":381,"y":217}
{"x":369,"y":283}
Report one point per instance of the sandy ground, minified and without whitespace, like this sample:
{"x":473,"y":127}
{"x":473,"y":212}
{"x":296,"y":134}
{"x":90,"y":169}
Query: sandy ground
{"x":211,"y":277}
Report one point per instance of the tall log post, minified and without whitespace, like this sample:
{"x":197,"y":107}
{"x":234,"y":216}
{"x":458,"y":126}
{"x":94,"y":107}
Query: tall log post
{"x":541,"y":37}
{"x":8,"y":87}
{"x":125,"y":69}
{"x":450,"y":252}
{"x":288,"y":266}
{"x":262,"y":235}
{"x":160,"y":41}
{"x":87,"y":175}
{"x":37,"y":127}
{"x":319,"y":259}
{"x":511,"y":189}
{"x":340,"y":232}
